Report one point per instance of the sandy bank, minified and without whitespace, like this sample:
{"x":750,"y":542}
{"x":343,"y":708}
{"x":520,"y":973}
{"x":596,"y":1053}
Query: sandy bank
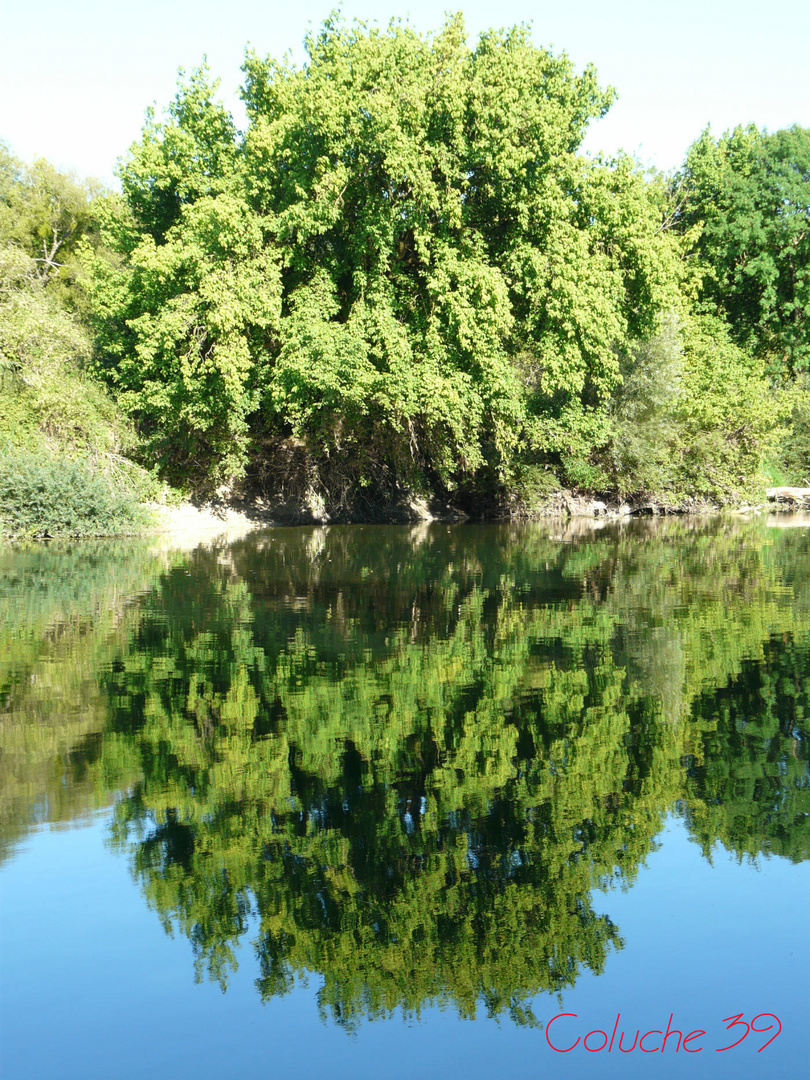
{"x":186,"y":525}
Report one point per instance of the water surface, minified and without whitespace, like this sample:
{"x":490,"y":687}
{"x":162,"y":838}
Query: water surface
{"x":363,"y":801}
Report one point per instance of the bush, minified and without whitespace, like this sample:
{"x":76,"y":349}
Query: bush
{"x":61,"y":496}
{"x":63,"y":469}
{"x":794,"y":460}
{"x":532,"y":487}
{"x":640,"y":455}
{"x":694,"y":417}
{"x":731,"y":418}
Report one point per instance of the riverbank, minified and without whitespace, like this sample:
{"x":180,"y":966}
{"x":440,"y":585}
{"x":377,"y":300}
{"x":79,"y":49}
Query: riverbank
{"x":189,"y":523}
{"x":211,"y":518}
{"x":232,"y":518}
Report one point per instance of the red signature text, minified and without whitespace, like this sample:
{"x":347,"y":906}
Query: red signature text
{"x":561,"y":1036}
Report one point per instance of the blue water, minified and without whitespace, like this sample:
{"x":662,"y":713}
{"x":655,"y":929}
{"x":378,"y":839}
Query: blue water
{"x":93,"y":988}
{"x":335,"y":803}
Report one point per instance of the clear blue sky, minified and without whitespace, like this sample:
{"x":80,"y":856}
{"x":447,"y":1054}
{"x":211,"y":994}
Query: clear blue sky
{"x":76,"y":77}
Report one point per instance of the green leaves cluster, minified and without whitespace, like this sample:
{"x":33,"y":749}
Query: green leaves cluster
{"x":694,"y":417}
{"x":63,"y":496}
{"x":62,"y":437}
{"x":49,"y":215}
{"x":403,"y":261}
{"x":403,"y":278}
{"x":746,"y":198}
{"x":742,"y":203}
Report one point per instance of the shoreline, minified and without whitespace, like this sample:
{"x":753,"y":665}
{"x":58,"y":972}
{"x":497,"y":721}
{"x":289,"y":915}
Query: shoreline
{"x":186,"y":524}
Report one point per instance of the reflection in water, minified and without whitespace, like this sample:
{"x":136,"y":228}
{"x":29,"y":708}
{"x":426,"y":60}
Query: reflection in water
{"x":65,"y":608}
{"x":403,"y":759}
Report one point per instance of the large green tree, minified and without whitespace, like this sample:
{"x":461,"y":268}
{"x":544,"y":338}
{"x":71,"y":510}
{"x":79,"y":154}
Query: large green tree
{"x":404,"y":262}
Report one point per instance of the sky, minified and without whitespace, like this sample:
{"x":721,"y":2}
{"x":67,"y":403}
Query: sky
{"x":76,"y":77}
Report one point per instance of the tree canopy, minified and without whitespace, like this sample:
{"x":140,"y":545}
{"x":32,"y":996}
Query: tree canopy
{"x":405,"y":279}
{"x":747,"y":196}
{"x":403,"y":261}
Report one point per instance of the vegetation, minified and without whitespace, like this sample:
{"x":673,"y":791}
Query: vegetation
{"x":404,"y":278}
{"x":46,"y":214}
{"x":62,"y":609}
{"x":405,"y":759}
{"x":405,"y":765}
{"x":795,"y":449}
{"x":745,"y":195}
{"x":62,"y":497}
{"x":63,"y":469}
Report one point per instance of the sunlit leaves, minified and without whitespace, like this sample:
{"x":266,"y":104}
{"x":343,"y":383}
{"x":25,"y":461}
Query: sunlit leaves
{"x":419,"y":219}
{"x":748,"y":195}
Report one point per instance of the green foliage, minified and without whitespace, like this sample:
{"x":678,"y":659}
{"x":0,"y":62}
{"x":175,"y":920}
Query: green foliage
{"x":728,"y":413}
{"x":176,"y":163}
{"x":694,"y":417}
{"x":47,"y":214}
{"x":794,"y":452}
{"x":645,"y":434}
{"x":402,"y":759}
{"x":532,"y":486}
{"x":746,"y":196}
{"x":37,"y":336}
{"x":192,"y":378}
{"x":403,"y":262}
{"x":405,"y":270}
{"x":58,"y":425}
{"x":61,"y":496}
{"x":183,"y":322}
{"x":47,"y":399}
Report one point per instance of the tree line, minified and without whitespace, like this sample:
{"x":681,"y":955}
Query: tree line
{"x":404,"y":278}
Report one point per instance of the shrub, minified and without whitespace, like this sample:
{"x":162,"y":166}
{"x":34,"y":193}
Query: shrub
{"x":532,"y":487}
{"x":694,"y":416}
{"x":730,"y":417}
{"x":639,"y":456}
{"x":795,"y":450}
{"x":61,"y":496}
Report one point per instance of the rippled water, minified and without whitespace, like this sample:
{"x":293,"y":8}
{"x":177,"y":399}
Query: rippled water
{"x":385,"y":801}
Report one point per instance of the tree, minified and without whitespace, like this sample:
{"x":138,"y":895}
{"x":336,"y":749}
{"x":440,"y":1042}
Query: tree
{"x":404,"y":262}
{"x":182,"y":320}
{"x":61,"y":434}
{"x":747,"y":196}
{"x":47,"y":214}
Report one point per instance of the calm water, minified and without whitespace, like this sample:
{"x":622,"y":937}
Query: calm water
{"x":384,"y":802}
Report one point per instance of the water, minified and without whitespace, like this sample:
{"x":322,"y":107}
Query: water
{"x":366,"y":801}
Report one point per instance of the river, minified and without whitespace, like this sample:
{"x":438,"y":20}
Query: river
{"x":453,"y":800}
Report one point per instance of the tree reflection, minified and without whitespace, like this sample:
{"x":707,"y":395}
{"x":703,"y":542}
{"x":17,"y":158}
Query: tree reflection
{"x":404,"y":762}
{"x":749,"y":786}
